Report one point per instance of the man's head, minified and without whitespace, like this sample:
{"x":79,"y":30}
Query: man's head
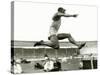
{"x":46,"y":57}
{"x":62,"y":10}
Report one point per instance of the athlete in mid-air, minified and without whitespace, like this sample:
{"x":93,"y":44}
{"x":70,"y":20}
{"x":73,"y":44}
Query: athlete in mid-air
{"x":54,"y":37}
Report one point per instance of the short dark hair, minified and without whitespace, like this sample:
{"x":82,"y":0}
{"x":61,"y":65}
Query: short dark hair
{"x":60,"y":9}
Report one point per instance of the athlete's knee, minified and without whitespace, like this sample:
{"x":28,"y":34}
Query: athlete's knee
{"x":56,"y":47}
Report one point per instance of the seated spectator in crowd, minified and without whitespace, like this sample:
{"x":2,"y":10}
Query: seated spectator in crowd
{"x":48,"y":64}
{"x":81,"y":65}
{"x":16,"y":67}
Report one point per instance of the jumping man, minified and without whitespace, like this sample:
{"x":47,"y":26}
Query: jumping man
{"x":54,"y":36}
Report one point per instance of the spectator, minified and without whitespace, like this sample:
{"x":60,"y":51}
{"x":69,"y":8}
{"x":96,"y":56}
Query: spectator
{"x":48,"y":64}
{"x":81,"y":65}
{"x":16,"y":67}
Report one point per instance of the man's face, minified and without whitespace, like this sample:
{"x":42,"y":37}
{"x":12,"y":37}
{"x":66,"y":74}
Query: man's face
{"x":63,"y":11}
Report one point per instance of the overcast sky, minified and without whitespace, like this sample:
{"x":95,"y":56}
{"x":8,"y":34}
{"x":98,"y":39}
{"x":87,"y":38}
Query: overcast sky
{"x":32,"y":21}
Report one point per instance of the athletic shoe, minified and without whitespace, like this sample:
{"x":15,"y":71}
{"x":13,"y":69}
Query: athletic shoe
{"x":81,"y":46}
{"x":38,"y":43}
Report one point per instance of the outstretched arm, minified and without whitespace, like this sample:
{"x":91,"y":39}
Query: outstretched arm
{"x":67,"y":15}
{"x":75,"y":15}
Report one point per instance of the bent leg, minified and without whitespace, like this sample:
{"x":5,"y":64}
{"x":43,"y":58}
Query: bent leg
{"x":52,"y":43}
{"x":70,"y":38}
{"x":62,"y":36}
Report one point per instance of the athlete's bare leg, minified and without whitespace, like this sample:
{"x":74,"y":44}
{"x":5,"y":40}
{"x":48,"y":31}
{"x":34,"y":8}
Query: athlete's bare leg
{"x":62,"y":36}
{"x":54,"y":43}
{"x":70,"y":38}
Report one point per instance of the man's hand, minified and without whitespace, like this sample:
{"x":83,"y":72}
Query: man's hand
{"x":75,"y":15}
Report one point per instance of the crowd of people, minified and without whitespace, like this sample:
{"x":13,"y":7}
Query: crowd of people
{"x":46,"y":65}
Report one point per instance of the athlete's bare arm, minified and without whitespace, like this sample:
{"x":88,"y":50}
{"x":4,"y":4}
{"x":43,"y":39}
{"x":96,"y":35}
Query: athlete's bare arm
{"x":75,"y":15}
{"x":67,"y":15}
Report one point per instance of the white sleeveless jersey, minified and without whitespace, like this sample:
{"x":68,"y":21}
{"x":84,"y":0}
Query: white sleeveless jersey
{"x":55,"y":25}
